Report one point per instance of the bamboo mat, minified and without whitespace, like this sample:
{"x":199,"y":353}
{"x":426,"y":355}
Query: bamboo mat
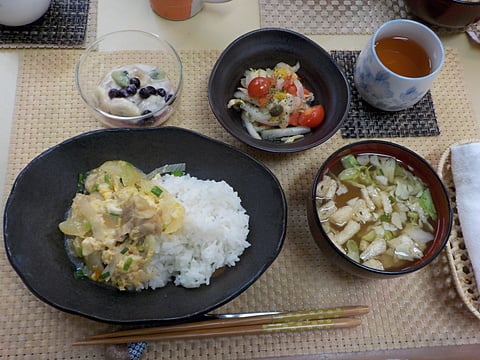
{"x":419,"y":310}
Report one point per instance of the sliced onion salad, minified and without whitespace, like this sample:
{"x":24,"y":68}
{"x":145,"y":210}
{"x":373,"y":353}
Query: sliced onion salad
{"x":275,"y":105}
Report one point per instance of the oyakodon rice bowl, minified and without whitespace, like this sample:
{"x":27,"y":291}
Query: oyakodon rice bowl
{"x":213,"y":234}
{"x":136,"y":231}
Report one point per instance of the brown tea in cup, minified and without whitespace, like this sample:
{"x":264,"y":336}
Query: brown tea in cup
{"x":403,"y":56}
{"x":398,"y":88}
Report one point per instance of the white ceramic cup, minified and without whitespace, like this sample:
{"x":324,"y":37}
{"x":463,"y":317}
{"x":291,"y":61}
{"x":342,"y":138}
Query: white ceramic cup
{"x":385,"y":89}
{"x":22,"y":12}
{"x":179,"y":9}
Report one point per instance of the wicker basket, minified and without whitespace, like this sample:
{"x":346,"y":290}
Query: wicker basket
{"x":457,"y":254}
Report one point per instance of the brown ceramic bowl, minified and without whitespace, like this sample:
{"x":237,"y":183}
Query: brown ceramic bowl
{"x":446,"y":13}
{"x":421,"y":168}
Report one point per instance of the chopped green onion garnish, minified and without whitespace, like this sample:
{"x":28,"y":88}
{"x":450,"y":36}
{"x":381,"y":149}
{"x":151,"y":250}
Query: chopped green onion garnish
{"x":124,"y":250}
{"x":127,"y":264}
{"x":95,"y":188}
{"x":105,"y":275}
{"x":114,"y":214}
{"x":156,"y":191}
{"x":79,"y":274}
{"x":172,"y":169}
{"x":82,"y":178}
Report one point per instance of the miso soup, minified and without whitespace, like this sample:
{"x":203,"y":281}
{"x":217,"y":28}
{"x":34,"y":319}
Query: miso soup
{"x":376,"y":211}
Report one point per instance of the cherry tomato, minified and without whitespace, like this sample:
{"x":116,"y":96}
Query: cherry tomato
{"x":293,"y":119}
{"x":312,"y":116}
{"x":259,"y":87}
{"x":289,"y":86}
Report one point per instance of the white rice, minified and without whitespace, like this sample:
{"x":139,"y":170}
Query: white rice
{"x":213,"y":235}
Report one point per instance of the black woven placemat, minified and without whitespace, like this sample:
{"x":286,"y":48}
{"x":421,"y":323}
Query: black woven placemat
{"x":63,"y":25}
{"x":364,"y":121}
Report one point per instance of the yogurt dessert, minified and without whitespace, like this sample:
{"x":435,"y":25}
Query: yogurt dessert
{"x":134,"y":90}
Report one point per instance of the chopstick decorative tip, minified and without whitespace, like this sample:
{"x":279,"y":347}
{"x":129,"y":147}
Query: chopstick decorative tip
{"x":327,"y":313}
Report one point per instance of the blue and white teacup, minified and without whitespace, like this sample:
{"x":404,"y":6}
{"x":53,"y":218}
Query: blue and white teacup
{"x":386,"y":90}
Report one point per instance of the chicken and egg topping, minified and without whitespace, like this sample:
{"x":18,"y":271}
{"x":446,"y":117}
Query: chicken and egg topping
{"x":111,"y":225}
{"x":376,"y":211}
{"x":133,"y":90}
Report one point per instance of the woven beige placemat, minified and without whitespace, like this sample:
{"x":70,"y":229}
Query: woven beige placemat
{"x":422,"y":309}
{"x":334,"y":16}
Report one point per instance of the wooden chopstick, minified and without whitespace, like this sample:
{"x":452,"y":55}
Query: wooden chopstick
{"x":318,"y":314}
{"x":337,"y":323}
{"x":329,"y":318}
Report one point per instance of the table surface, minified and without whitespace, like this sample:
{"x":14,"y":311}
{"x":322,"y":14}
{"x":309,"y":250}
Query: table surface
{"x":214,"y":28}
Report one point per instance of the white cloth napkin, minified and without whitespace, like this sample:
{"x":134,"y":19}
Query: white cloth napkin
{"x":465,"y":160}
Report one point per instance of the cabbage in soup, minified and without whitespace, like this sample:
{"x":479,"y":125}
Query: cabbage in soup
{"x":376,"y":211}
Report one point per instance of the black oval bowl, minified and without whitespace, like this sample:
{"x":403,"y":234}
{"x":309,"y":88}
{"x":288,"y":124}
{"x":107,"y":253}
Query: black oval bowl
{"x":421,"y":168}
{"x":264,"y":48}
{"x":43,"y":191}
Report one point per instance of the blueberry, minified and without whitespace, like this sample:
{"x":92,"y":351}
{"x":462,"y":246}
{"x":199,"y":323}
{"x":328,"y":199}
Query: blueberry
{"x":151,"y":90}
{"x":123,"y":93}
{"x":135,"y":81}
{"x":131,"y":89}
{"x":144,"y":93}
{"x":147,"y":91}
{"x":161,"y":92}
{"x":112,"y":93}
{"x":145,"y":112}
{"x":168,"y":97}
